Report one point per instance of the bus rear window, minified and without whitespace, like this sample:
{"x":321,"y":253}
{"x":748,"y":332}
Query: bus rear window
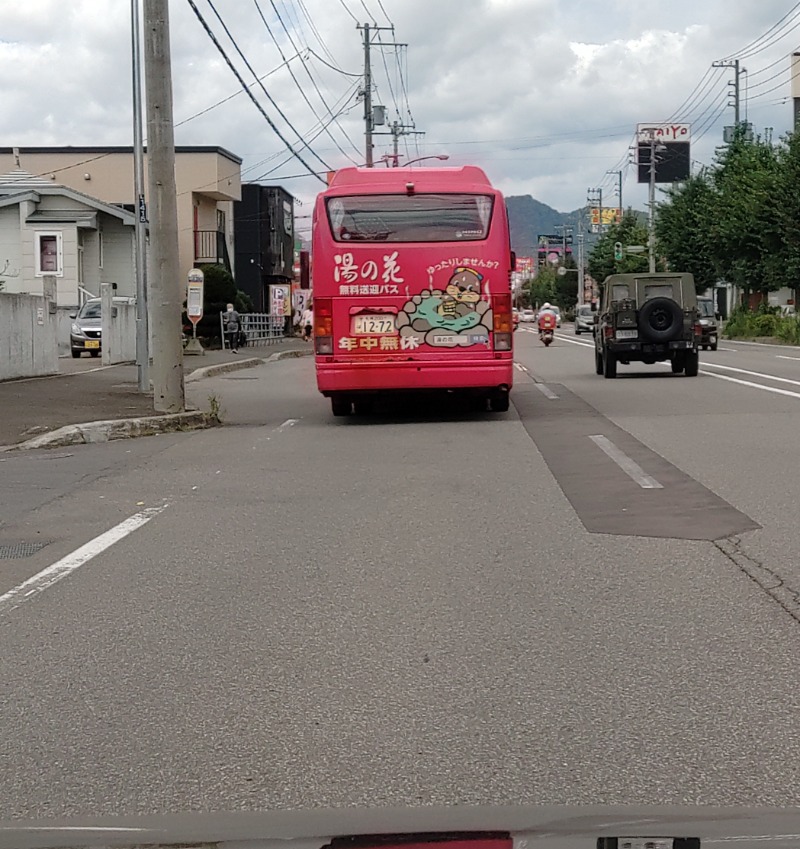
{"x":410,"y":218}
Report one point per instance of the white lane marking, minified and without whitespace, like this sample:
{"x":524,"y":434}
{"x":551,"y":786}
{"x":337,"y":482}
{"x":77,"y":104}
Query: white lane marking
{"x":61,"y":568}
{"x":766,"y":345}
{"x":631,"y":468}
{"x":774,"y":389}
{"x":781,"y":357}
{"x":546,"y":391}
{"x":575,"y":341}
{"x":729,"y":350}
{"x":520,"y":367}
{"x":753,"y":373}
{"x":287,"y":423}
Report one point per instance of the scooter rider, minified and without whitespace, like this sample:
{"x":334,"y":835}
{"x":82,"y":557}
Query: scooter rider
{"x":547,"y":318}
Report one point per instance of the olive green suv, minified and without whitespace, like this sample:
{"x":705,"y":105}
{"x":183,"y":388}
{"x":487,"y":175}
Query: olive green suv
{"x":647,"y":318}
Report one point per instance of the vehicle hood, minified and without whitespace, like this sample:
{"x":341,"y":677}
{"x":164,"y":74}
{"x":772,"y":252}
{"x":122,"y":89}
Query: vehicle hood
{"x":549,"y":827}
{"x":89,"y":323}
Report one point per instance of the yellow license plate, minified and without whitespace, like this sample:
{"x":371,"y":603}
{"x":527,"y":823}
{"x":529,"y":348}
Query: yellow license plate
{"x":91,"y":343}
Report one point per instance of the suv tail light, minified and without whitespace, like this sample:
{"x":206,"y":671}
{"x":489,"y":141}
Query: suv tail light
{"x":503,"y":322}
{"x":323,"y":325}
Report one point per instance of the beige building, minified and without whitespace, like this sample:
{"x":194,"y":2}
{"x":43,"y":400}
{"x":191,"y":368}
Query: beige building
{"x":208,"y":182}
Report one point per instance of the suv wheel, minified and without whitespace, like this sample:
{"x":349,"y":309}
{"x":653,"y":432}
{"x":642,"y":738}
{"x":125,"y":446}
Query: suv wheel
{"x":609,"y":365}
{"x":692,"y":363}
{"x":713,"y":346}
{"x":75,"y":353}
{"x":598,"y":362}
{"x":678,"y":364}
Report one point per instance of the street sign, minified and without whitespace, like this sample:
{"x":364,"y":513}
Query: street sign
{"x":194,"y":296}
{"x":142,"y":210}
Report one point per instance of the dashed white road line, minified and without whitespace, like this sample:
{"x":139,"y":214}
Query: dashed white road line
{"x":288,"y":423}
{"x":631,"y":468}
{"x":520,"y":367}
{"x":546,"y":391}
{"x":781,"y":357}
{"x":39,"y":582}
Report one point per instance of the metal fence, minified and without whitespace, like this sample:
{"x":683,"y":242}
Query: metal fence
{"x":256,"y":328}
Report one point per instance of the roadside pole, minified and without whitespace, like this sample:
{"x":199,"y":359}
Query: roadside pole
{"x":651,"y":223}
{"x":142,"y":329}
{"x":165,"y":285}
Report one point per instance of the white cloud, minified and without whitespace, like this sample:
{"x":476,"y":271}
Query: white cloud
{"x":543,"y":94}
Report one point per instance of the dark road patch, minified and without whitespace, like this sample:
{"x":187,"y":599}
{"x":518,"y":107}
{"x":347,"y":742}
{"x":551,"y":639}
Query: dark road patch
{"x":603,"y":494}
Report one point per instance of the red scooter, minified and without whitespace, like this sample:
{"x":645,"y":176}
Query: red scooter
{"x":547,"y":328}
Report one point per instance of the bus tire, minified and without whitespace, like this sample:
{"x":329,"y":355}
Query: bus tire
{"x":341,"y":406}
{"x":499,"y":402}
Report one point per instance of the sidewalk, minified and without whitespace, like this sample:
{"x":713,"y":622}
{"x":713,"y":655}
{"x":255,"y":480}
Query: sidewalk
{"x":87,"y":391}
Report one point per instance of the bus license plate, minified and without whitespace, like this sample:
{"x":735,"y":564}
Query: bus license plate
{"x":627,"y":334}
{"x":373,"y":325}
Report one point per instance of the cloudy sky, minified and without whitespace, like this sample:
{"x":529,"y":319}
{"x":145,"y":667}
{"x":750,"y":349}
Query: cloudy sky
{"x":544,"y":94}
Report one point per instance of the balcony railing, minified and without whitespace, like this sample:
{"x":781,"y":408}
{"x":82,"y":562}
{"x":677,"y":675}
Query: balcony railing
{"x":210,"y":246}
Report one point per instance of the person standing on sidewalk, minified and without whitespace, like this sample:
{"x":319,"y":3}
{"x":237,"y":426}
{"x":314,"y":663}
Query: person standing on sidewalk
{"x":232,"y":328}
{"x":307,"y":322}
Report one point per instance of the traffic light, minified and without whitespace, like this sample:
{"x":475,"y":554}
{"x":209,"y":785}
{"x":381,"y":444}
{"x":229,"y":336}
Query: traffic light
{"x":617,"y":251}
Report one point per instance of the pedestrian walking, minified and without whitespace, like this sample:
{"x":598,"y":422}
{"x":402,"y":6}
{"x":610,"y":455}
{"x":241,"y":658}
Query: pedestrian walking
{"x":307,"y":322}
{"x":233,"y":326}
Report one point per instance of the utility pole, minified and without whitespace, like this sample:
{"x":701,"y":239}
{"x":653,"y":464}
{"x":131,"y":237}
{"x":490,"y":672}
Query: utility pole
{"x":581,"y":261}
{"x":367,"y":97}
{"x":737,"y":71}
{"x":396,"y":130}
{"x":651,"y":218}
{"x":142,"y":331}
{"x":368,"y":116}
{"x":165,"y":284}
{"x":619,"y":187}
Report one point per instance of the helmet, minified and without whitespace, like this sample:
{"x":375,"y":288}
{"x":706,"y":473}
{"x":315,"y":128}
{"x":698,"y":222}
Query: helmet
{"x":545,"y":306}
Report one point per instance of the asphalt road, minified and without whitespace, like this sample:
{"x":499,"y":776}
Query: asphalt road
{"x":424,"y":606}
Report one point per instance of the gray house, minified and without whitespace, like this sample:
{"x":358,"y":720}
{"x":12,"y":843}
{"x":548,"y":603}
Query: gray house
{"x":51,"y":230}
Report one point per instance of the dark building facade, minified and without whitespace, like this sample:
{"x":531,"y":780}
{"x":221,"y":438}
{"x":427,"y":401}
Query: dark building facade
{"x":263,"y":226}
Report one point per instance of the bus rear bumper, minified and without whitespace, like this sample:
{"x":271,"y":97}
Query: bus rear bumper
{"x":414,"y":376}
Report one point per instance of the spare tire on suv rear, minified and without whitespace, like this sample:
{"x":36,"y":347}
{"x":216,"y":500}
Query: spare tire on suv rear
{"x":660,"y":320}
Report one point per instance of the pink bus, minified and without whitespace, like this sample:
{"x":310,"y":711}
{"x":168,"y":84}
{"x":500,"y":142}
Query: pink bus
{"x":412,"y":291}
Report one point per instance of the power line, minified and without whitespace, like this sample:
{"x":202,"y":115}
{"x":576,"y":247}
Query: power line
{"x":260,"y":84}
{"x":314,"y":132}
{"x":332,"y":67}
{"x":235,"y":94}
{"x":347,"y":9}
{"x":739,"y":54}
{"x":296,"y":81}
{"x":249,"y":93}
{"x":315,"y":31}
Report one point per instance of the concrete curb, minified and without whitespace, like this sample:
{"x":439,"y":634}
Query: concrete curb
{"x":250,"y":362}
{"x":221,"y":368}
{"x":104,"y":431}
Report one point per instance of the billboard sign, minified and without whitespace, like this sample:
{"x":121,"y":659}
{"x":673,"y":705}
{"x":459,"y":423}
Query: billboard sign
{"x":670,"y":144}
{"x":605,"y":217}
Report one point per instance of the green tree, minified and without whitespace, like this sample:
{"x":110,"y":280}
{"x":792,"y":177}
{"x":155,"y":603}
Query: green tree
{"x":629,"y":231}
{"x":745,"y":233}
{"x":542,"y":288}
{"x":683,"y":230}
{"x":787,"y":204}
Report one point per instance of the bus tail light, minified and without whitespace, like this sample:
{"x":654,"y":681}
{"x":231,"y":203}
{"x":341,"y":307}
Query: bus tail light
{"x":503,"y":323}
{"x":323,"y":325}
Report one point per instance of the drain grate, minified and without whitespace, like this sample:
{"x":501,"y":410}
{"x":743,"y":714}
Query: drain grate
{"x":16,"y":550}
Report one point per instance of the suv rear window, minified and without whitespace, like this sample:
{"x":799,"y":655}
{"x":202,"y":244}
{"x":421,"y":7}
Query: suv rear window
{"x":410,"y":218}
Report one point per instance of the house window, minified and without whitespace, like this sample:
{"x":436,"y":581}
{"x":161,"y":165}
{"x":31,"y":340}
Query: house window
{"x":220,"y":221}
{"x":49,"y":254}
